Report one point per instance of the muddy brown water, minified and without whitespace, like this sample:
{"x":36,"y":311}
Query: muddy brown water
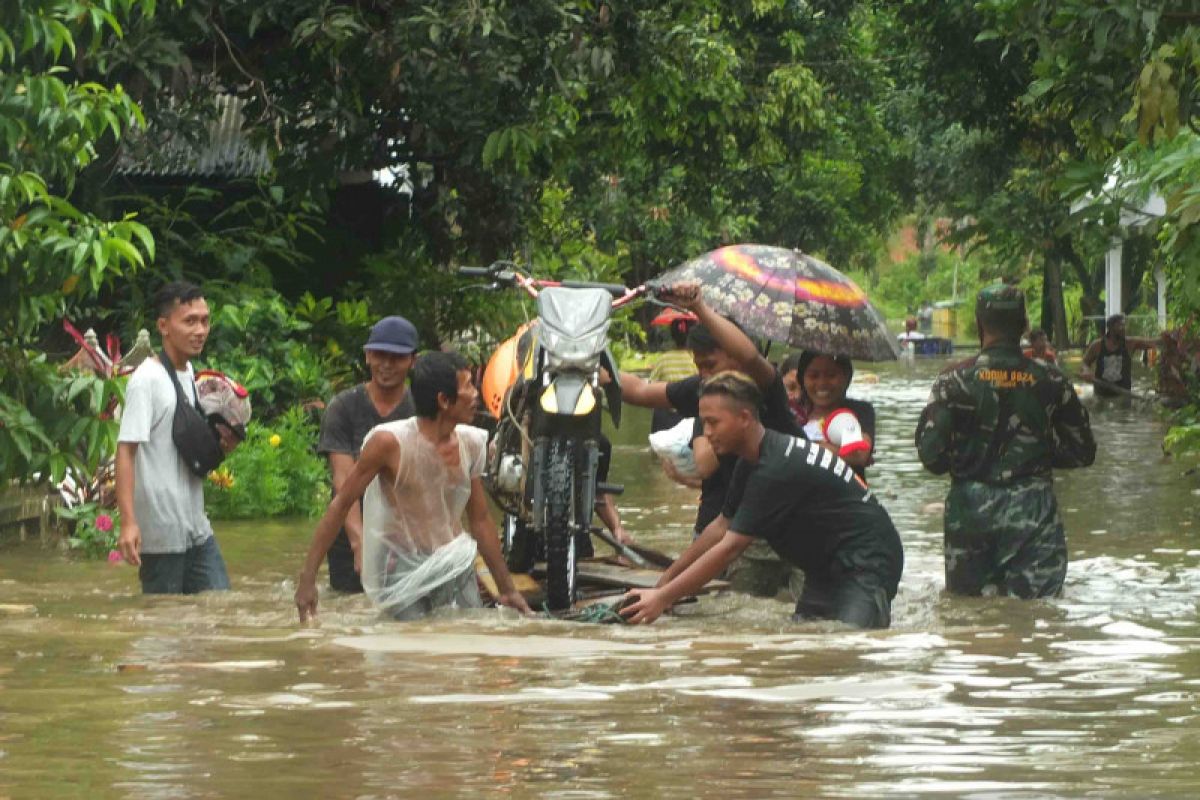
{"x":104,"y":693}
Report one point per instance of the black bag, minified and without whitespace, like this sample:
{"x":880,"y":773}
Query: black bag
{"x":198,"y":444}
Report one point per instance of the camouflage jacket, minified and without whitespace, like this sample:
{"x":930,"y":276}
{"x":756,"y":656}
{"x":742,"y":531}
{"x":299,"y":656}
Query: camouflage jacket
{"x":1001,"y":417}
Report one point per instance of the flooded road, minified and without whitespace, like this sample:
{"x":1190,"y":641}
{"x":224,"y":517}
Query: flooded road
{"x":104,"y":693}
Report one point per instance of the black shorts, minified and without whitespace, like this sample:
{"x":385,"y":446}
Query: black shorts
{"x":342,"y":575}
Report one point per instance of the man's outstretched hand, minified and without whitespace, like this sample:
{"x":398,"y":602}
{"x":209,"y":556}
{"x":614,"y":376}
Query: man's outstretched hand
{"x":516,"y":600}
{"x":306,"y":600}
{"x":643,"y":605}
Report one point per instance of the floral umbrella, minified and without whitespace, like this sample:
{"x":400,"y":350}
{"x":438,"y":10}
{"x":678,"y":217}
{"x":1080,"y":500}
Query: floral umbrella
{"x":790,"y":297}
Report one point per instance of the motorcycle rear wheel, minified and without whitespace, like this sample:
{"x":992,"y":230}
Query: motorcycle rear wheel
{"x":560,"y":536}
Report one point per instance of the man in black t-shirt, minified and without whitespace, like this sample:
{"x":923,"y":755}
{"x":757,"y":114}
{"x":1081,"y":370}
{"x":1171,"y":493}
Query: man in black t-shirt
{"x":350,"y":416}
{"x":718,"y":345}
{"x":1108,"y":361}
{"x":804,"y":501}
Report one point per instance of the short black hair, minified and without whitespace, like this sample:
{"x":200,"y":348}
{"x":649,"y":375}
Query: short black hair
{"x":1037,"y":333}
{"x":433,"y":374}
{"x":1002,"y":322}
{"x":1113,"y":320}
{"x":700,"y":338}
{"x":173,"y":294}
{"x":735,"y":386}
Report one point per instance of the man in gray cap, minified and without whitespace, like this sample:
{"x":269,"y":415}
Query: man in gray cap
{"x":350,"y":416}
{"x":999,"y":423}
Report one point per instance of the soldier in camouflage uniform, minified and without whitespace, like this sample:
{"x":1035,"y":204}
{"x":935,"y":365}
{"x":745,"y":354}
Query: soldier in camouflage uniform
{"x":998,"y":423}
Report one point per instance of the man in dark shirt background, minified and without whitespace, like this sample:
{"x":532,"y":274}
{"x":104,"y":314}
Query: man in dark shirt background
{"x":350,"y":416}
{"x":804,"y":501}
{"x":1108,"y":361}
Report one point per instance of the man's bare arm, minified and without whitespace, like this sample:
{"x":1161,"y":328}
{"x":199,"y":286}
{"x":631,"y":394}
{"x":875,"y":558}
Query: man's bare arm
{"x":727,"y":335}
{"x":707,"y":460}
{"x":637,"y":391}
{"x":340,"y":467}
{"x":711,"y":534}
{"x":380,"y":453}
{"x":130,"y":540}
{"x":483,"y":531}
{"x":675,"y":475}
{"x":649,"y":604}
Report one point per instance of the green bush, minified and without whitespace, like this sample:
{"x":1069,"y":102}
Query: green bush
{"x":285,"y":353}
{"x":275,"y":472}
{"x":1183,"y":439}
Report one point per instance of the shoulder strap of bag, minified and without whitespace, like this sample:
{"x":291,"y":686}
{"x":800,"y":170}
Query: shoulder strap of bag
{"x":174,"y":376}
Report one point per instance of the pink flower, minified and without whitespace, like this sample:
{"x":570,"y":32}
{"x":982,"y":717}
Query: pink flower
{"x":114,"y":557}
{"x":104,"y":523}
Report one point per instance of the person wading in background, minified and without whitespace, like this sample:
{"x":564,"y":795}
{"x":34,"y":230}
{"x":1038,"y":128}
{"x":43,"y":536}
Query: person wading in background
{"x":1108,"y":361}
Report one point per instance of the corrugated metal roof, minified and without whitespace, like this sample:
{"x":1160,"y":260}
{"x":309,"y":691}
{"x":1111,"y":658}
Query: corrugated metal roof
{"x":227,"y":152}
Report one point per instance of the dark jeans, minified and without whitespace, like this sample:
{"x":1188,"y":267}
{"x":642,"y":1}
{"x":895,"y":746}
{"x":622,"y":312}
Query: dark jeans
{"x":459,"y":592}
{"x":858,"y":598}
{"x":342,"y":577}
{"x":198,"y":569}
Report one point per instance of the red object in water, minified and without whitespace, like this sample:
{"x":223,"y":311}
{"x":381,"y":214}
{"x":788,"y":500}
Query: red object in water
{"x":670,"y":315}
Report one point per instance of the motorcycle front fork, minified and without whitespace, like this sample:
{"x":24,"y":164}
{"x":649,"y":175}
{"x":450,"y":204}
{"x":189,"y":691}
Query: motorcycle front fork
{"x":585,"y":481}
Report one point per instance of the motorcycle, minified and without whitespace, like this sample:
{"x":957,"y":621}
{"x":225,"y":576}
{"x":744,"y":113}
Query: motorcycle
{"x":543,"y":387}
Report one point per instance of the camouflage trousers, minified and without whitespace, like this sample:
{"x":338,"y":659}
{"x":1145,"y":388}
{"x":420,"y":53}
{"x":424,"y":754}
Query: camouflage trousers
{"x":761,"y":572}
{"x":1006,"y":540}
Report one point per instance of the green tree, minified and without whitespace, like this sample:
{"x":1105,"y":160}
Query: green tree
{"x":674,"y":127}
{"x":53,"y":256}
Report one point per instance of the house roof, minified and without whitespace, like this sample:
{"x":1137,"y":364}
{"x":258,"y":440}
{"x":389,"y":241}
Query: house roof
{"x":226,"y":152}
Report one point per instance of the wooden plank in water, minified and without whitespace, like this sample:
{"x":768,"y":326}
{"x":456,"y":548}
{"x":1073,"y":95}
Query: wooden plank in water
{"x":530,"y":589}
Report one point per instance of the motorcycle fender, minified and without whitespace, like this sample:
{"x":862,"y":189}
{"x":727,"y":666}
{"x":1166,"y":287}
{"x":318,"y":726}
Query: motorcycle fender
{"x":612,"y":391}
{"x":568,"y":394}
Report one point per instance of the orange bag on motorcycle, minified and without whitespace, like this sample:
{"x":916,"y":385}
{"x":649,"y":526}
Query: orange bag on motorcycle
{"x":512,"y":360}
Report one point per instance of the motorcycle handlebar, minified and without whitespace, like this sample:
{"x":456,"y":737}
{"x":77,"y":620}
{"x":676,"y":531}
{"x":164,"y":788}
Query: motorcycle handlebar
{"x":503,"y":273}
{"x":612,"y":288}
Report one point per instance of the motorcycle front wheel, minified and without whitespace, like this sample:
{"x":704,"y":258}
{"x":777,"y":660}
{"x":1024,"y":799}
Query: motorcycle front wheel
{"x":560,"y":537}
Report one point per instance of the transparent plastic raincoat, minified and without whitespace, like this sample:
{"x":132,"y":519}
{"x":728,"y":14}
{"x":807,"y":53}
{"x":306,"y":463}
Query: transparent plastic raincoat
{"x":416,"y":555}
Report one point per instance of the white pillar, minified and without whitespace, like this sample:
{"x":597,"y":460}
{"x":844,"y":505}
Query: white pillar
{"x":1161,"y":276}
{"x":1112,"y":277}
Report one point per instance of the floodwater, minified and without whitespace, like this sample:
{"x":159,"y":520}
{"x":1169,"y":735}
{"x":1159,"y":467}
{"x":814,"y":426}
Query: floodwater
{"x":104,"y":693}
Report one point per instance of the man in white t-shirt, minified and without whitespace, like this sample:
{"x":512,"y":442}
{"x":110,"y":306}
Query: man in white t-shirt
{"x":164,"y":530}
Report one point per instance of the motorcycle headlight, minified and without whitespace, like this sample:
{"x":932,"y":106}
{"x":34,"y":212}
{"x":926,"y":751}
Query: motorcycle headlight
{"x":569,"y":352}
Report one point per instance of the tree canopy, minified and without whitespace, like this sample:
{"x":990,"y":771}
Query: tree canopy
{"x":593,"y":138}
